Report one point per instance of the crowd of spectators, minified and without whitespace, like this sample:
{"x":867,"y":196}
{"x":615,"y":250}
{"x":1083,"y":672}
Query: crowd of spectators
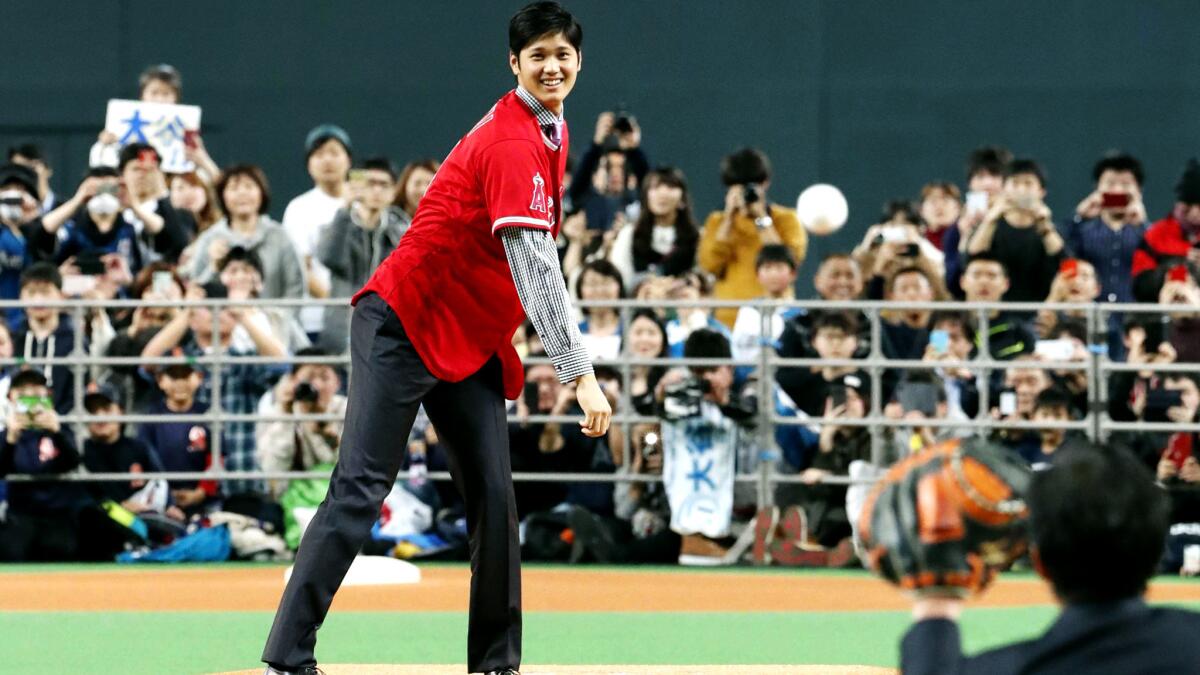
{"x":128,"y":230}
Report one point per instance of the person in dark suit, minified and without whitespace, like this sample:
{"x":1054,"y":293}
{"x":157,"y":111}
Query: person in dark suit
{"x":1097,"y":527}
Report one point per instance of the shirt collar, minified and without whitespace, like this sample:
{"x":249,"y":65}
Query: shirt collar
{"x":541,"y":112}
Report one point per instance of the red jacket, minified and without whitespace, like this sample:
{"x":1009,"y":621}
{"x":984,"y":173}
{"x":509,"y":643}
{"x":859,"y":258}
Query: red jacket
{"x":449,"y":281}
{"x":1163,"y":240}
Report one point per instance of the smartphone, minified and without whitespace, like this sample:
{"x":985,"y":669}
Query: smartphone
{"x":113,"y":189}
{"x":1069,"y":268}
{"x":940,"y":340}
{"x":1025,"y":202}
{"x":1115,"y":200}
{"x":1157,"y":402}
{"x":1054,"y":350}
{"x":837,"y":396}
{"x":358,"y":175}
{"x":89,"y":263}
{"x":1156,"y":334}
{"x":1178,"y":450}
{"x":894,"y":234}
{"x":189,"y":138}
{"x":531,"y":396}
{"x":1008,"y":402}
{"x":1177,"y":273}
{"x":977,"y":201}
{"x":162,"y":282}
{"x":918,"y":396}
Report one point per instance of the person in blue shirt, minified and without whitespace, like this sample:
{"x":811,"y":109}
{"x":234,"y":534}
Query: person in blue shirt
{"x":22,"y":238}
{"x":181,"y":446}
{"x":90,"y":224}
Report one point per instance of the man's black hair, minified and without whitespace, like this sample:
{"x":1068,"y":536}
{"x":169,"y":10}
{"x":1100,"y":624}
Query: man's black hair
{"x":539,"y":19}
{"x":963,"y":319}
{"x":30,"y":151}
{"x":134,"y":151}
{"x":309,"y":351}
{"x":901,"y":207}
{"x":1071,"y":327}
{"x":1119,"y":161}
{"x":706,"y":343}
{"x":1053,"y":398}
{"x":843,"y":321}
{"x":991,"y":159}
{"x":27,"y":378}
{"x":241,"y":254}
{"x":748,"y":165}
{"x":775,"y":253}
{"x":986,"y":257}
{"x":1097,"y":500}
{"x":380,"y":164}
{"x":1019,"y":167}
{"x":1187,"y":190}
{"x":41,"y":273}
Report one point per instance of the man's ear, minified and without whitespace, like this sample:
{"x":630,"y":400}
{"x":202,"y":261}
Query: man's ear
{"x":514,"y":63}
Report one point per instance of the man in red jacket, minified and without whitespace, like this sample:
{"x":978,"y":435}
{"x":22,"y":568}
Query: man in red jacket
{"x":434,"y":326}
{"x":1171,"y":241}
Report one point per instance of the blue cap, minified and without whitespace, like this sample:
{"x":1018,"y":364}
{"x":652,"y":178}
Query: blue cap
{"x":323,"y":132}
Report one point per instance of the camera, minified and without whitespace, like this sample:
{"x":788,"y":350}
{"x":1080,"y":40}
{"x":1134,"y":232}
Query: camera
{"x":682,"y":399}
{"x":622,"y":120}
{"x":305,"y":393}
{"x":752,"y":193}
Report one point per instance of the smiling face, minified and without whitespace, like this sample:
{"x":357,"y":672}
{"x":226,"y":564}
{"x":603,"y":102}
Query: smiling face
{"x":547,"y":68}
{"x":645,"y":338}
{"x":662,"y":198}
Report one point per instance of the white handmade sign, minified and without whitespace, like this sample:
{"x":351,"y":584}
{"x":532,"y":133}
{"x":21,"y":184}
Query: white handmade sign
{"x":162,"y":125}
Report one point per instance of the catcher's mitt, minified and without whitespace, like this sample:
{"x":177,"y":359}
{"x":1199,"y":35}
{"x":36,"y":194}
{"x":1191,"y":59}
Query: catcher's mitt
{"x":945,"y":519}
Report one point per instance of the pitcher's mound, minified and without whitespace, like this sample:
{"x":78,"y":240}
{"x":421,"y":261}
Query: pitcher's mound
{"x":364,"y":669}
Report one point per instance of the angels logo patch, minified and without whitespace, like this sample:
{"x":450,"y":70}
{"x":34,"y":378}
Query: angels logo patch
{"x":538,"y":203}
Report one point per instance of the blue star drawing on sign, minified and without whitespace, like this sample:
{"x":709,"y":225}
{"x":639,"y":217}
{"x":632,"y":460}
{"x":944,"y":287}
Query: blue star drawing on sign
{"x":135,"y":132}
{"x":700,"y":475}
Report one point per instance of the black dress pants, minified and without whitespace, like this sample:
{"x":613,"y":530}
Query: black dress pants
{"x":388,"y":383}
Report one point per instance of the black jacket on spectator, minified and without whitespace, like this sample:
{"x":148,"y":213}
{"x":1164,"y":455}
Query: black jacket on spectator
{"x":170,"y":240}
{"x":126,"y":455}
{"x":808,"y":390}
{"x":1030,"y":269}
{"x":1008,"y":337}
{"x":1115,"y":638}
{"x":61,"y":342}
{"x":40,"y":452}
{"x":352,"y":253}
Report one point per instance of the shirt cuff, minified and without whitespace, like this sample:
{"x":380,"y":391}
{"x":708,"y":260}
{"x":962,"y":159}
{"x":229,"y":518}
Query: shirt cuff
{"x":572,"y":364}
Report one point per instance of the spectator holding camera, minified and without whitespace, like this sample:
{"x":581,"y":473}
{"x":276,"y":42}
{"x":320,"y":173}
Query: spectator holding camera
{"x":312,"y":388}
{"x":705,"y":442}
{"x":1109,"y":223}
{"x":245,"y":196}
{"x":986,"y":167}
{"x":952,"y":338}
{"x":609,"y":171}
{"x":663,"y":239}
{"x":733,"y":237}
{"x":642,"y":506}
{"x":1076,"y":282}
{"x":359,"y":238}
{"x":161,"y":231}
{"x":1018,"y":231}
{"x":30,"y":156}
{"x":42,"y":523}
{"x":242,"y":385}
{"x":1023,"y":382}
{"x":22,"y":236}
{"x":1172,"y":241}
{"x":94,"y":238}
{"x":895,"y":243}
{"x":834,"y":336}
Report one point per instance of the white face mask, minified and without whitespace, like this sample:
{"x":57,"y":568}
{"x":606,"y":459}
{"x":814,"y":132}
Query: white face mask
{"x":104,"y":204}
{"x":11,"y":211}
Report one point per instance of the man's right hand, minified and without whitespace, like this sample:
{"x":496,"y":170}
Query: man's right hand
{"x":604,"y":125}
{"x":597,"y":413}
{"x":735,"y":200}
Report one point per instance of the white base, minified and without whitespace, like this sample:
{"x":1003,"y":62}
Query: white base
{"x":375,"y":570}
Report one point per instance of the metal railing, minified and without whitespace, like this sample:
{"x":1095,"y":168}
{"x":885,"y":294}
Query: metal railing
{"x":1097,"y":367}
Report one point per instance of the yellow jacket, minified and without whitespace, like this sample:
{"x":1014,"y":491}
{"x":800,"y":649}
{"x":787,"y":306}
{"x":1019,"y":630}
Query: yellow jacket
{"x":732,"y":261}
